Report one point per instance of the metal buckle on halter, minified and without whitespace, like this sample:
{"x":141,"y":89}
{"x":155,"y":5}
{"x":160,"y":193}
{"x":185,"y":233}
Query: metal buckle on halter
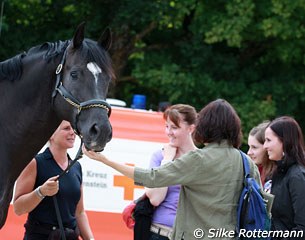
{"x":58,"y":69}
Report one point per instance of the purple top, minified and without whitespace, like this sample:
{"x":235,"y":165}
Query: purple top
{"x":165,"y":213}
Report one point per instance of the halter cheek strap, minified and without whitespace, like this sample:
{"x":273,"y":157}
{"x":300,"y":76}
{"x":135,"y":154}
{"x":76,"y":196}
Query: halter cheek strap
{"x":58,"y":75}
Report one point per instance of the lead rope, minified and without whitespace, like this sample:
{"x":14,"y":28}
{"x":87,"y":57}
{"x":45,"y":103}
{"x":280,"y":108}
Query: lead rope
{"x":59,"y":219}
{"x":78,"y":156}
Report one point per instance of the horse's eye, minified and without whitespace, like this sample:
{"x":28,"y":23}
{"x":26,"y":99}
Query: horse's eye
{"x":73,"y":75}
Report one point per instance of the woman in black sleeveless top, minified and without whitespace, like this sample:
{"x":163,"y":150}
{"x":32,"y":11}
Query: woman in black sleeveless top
{"x":37,"y":185}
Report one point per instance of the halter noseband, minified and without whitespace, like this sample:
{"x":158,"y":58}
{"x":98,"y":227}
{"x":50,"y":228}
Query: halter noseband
{"x":99,"y":103}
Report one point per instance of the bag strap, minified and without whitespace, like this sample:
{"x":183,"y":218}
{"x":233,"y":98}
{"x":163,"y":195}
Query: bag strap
{"x":246,"y":164}
{"x":246,"y":167}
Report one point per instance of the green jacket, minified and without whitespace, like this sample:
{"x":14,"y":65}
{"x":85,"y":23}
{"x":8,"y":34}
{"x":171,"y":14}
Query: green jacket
{"x":211,"y":182}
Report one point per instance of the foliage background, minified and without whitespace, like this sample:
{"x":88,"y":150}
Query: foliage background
{"x":249,"y":52}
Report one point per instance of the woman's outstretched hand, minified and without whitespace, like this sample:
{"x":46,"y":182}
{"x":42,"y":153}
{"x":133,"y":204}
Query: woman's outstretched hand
{"x":94,"y":155}
{"x":122,"y":168}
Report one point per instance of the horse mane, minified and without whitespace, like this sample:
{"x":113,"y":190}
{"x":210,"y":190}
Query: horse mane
{"x":53,"y":49}
{"x":11,"y":69}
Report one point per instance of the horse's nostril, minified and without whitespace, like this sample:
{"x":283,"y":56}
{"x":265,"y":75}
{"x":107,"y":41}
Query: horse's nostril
{"x":109,"y":137}
{"x":94,"y":130}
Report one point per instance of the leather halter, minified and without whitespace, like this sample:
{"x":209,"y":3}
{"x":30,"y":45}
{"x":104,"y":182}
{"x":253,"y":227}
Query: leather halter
{"x":99,"y":103}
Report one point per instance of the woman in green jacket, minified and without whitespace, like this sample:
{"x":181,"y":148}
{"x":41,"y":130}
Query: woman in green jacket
{"x":211,"y":178}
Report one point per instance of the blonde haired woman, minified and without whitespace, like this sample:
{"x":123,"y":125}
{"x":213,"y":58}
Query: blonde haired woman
{"x":38,"y":183}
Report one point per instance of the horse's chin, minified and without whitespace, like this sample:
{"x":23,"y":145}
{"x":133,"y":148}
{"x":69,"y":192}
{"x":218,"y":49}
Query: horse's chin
{"x":94,"y":147}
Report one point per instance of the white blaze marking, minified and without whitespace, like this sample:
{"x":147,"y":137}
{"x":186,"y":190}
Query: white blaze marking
{"x":94,"y":69}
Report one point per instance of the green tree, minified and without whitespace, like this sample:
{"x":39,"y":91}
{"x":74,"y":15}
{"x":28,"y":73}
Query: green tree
{"x":248,"y":52}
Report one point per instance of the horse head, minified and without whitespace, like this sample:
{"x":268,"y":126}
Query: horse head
{"x":83,"y":78}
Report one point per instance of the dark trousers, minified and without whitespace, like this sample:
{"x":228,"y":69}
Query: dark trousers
{"x":38,"y":231}
{"x":155,"y":236}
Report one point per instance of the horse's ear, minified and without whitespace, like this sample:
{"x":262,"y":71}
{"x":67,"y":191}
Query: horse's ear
{"x":106,"y":39}
{"x":79,"y":35}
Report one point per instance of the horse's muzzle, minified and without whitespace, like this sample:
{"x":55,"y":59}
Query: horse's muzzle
{"x":97,"y":136}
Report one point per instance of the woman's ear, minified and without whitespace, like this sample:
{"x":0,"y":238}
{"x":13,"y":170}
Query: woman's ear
{"x":192,"y":128}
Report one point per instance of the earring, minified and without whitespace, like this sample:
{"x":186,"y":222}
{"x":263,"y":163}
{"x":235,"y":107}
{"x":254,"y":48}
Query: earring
{"x":283,"y":154}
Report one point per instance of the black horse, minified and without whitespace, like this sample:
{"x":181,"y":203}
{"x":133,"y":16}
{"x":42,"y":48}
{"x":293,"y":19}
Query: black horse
{"x":65,"y":80}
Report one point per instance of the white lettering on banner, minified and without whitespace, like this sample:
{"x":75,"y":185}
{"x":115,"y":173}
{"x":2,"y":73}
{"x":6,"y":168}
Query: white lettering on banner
{"x":93,"y":179}
{"x":96,"y":174}
{"x":95,"y":184}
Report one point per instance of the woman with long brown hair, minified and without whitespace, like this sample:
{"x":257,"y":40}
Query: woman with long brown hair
{"x":284,"y":143}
